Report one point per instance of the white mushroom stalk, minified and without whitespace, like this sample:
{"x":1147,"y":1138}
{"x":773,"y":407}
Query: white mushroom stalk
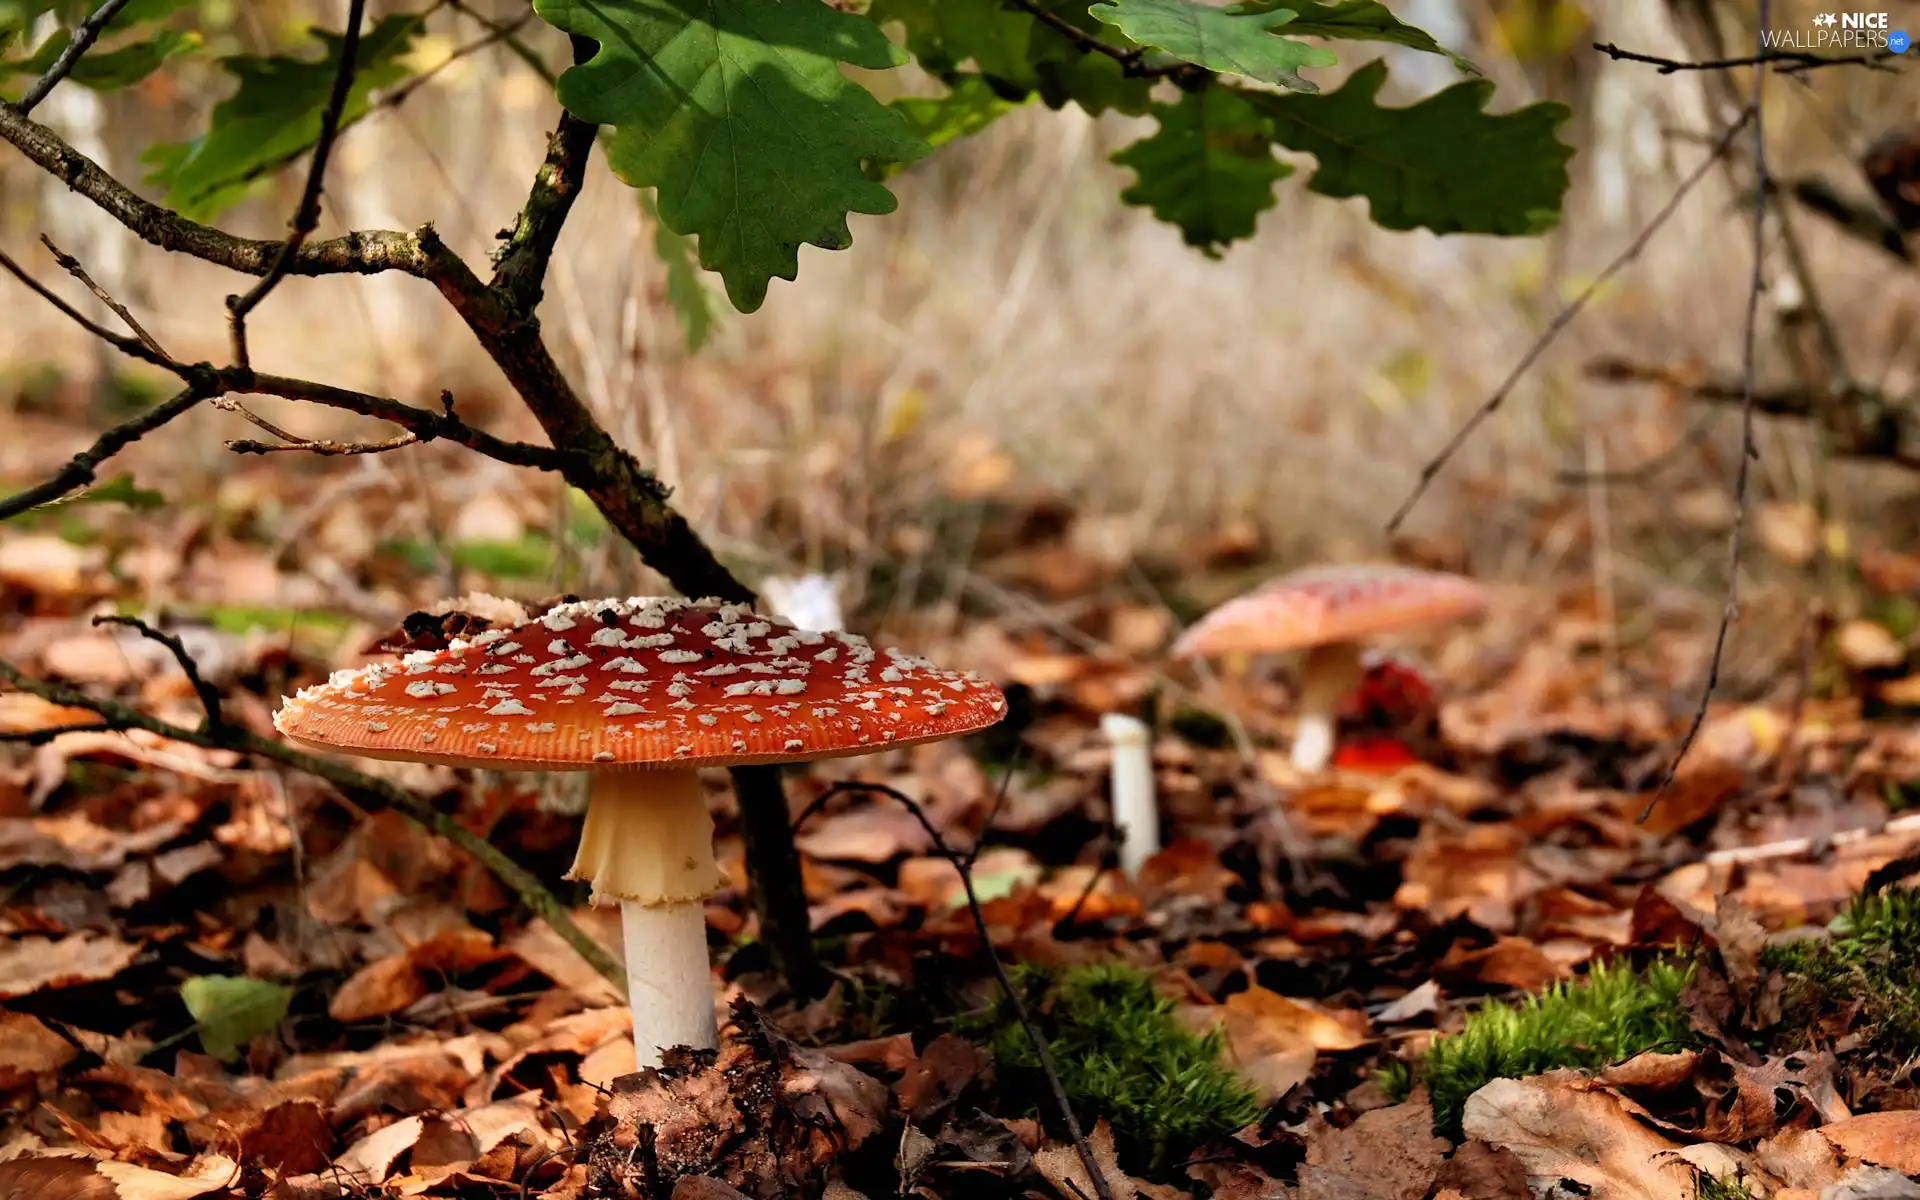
{"x":642,"y":693}
{"x":647,"y":844}
{"x":1134,"y":810}
{"x":1326,"y":676}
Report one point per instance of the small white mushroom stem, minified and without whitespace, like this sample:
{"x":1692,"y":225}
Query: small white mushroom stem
{"x":647,"y":843}
{"x":669,"y":980}
{"x":1134,"y":810}
{"x":1327,"y":675}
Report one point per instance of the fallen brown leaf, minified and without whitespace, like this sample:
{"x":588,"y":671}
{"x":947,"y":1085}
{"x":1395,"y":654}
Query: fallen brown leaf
{"x":29,"y":1051}
{"x":1563,"y":1126}
{"x":1480,"y":1171}
{"x":1885,"y":1139}
{"x":378,"y":989}
{"x":1387,"y":1154}
{"x":33,"y":964}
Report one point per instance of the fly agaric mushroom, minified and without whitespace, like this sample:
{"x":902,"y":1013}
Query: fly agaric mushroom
{"x":1326,"y":611}
{"x":641,"y":693}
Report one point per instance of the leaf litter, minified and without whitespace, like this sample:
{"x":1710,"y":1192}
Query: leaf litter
{"x":222,"y":980}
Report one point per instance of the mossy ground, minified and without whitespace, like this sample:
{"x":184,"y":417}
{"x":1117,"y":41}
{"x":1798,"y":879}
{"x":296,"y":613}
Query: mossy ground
{"x":1614,"y":1013}
{"x":1122,"y":1054}
{"x":1871,"y":959}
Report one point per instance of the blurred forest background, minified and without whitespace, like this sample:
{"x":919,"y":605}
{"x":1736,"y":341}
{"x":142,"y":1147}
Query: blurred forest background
{"x":1017,"y":394}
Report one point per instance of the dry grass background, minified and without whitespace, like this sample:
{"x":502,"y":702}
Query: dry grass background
{"x":1013,"y":318}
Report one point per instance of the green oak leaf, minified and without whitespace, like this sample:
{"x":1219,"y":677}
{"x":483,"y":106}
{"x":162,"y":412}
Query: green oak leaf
{"x":273,"y":117}
{"x":1219,"y":39}
{"x":1067,"y":73}
{"x":945,"y":35}
{"x":107,"y":70}
{"x":230,"y":1011}
{"x":1444,"y":164}
{"x":737,"y":112}
{"x":105,"y":66}
{"x":691,"y":300}
{"x":1355,"y":21}
{"x":1209,"y":168}
{"x":969,"y":106}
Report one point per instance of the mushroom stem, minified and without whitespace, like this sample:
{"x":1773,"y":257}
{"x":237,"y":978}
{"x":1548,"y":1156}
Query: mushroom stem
{"x":1133,"y":807}
{"x":669,"y":981}
{"x":647,"y":842}
{"x":1329,"y":672}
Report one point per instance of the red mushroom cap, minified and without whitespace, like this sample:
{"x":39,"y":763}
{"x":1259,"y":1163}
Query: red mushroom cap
{"x":1321,"y":605}
{"x":646,"y":682}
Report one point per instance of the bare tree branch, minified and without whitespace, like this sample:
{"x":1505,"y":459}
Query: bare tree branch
{"x":208,"y":694}
{"x":1749,"y":371}
{"x":293,"y":442}
{"x":1786,"y":62}
{"x":364,"y":790}
{"x":306,"y":217}
{"x":83,"y":39}
{"x":83,"y":468}
{"x":71,"y":266}
{"x":1885,"y":429}
{"x":131,"y":347}
{"x":364,"y":253}
{"x":522,"y":269}
{"x":1559,"y":324}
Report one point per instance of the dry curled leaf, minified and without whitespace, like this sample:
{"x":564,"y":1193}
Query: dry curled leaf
{"x":33,"y":964}
{"x":1562,"y":1126}
{"x":1387,"y":1154}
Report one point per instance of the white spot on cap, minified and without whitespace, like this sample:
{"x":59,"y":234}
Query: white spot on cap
{"x":509,"y":708}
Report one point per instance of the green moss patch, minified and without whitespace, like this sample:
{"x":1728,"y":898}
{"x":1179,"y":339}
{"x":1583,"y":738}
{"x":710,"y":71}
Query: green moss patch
{"x":1122,"y":1054}
{"x":1872,"y":959}
{"x":1612,"y":1014}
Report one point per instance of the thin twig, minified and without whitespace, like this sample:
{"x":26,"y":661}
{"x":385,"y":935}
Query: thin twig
{"x":47,"y":733}
{"x":83,"y":468}
{"x":131,"y":347}
{"x":294,"y":442}
{"x":1646,"y":468}
{"x":1132,"y":62}
{"x":363,"y":790}
{"x":1105,"y":863}
{"x":1748,"y":451}
{"x":365,"y":252}
{"x":83,"y":39}
{"x":306,"y":218}
{"x":1889,"y":433}
{"x":962,"y":863}
{"x":323,"y":447}
{"x":507,"y":34}
{"x":1560,"y":322}
{"x":1787,"y":62}
{"x":208,"y":694}
{"x":71,"y":266}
